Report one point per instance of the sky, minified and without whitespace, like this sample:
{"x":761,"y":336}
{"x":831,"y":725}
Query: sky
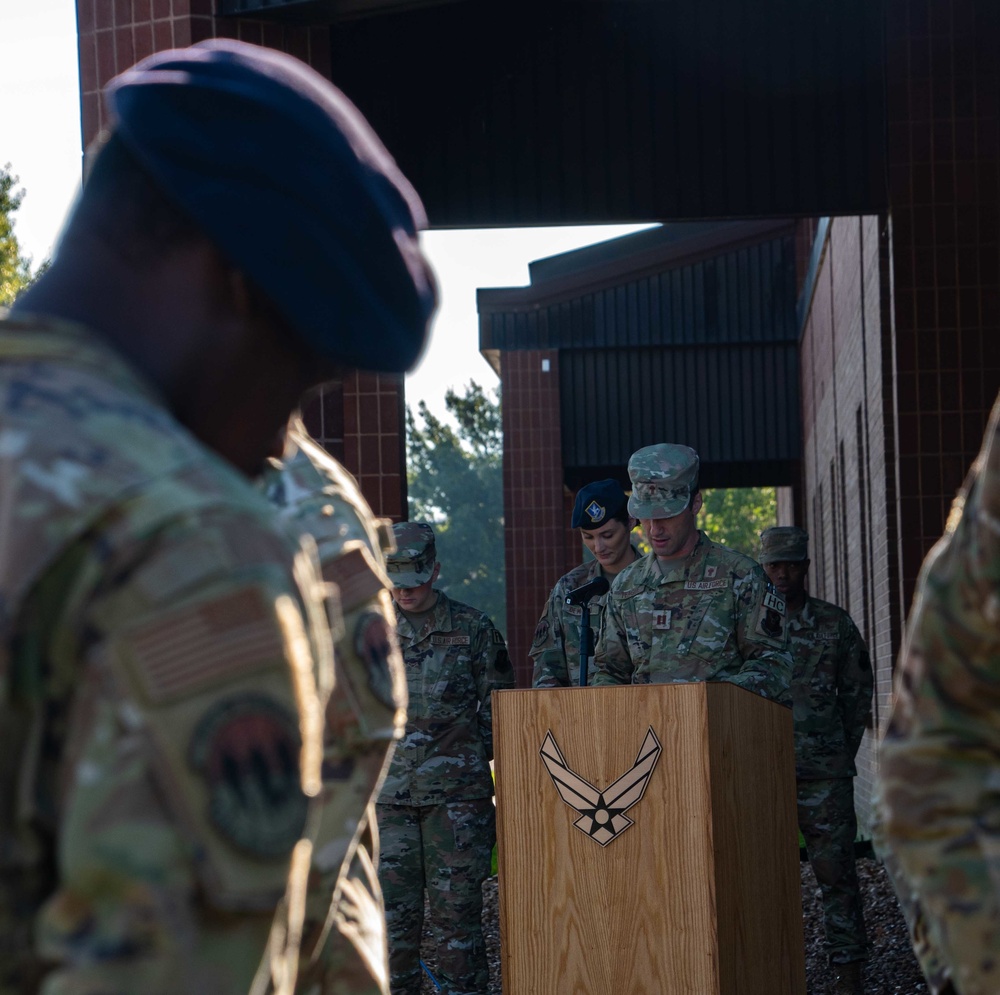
{"x":40,"y":140}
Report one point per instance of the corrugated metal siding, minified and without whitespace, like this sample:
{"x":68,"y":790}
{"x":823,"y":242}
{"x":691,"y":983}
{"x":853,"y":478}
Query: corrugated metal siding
{"x":736,"y":404}
{"x":701,"y":350}
{"x":555,"y":111}
{"x":747,"y":295}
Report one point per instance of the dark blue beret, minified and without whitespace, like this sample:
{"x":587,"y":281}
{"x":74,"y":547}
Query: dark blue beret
{"x":283,"y":173}
{"x":596,"y":503}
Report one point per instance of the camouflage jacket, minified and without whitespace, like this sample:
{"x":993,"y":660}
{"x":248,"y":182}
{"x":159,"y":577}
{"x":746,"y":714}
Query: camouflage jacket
{"x":938,"y":769}
{"x":366,"y":711}
{"x":831,"y":689}
{"x":163,"y":663}
{"x":709,"y":617}
{"x":453,"y":664}
{"x":556,"y":646}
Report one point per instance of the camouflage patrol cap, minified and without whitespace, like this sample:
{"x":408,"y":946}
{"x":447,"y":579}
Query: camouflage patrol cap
{"x":664,"y":478}
{"x":412,"y":562}
{"x":784,"y":544}
{"x":597,"y":503}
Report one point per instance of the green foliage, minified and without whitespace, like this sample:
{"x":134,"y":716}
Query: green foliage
{"x":15,"y":269}
{"x":455,"y":480}
{"x":736,"y":516}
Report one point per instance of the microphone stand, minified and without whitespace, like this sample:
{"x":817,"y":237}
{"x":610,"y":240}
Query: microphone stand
{"x":585,"y":642}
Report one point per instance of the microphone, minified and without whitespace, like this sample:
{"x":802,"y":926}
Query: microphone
{"x":593,"y":589}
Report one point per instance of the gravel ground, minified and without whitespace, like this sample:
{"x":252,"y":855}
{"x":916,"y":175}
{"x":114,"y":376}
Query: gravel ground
{"x":891,"y":969}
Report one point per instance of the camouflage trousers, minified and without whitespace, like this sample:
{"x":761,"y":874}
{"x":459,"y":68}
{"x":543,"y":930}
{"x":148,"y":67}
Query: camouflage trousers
{"x":445,"y":850}
{"x":829,"y":826}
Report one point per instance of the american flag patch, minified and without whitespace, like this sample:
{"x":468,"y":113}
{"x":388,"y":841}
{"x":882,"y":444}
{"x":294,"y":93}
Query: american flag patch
{"x":355,"y":574}
{"x":204,"y":644}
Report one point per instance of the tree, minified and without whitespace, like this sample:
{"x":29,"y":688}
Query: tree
{"x":15,"y":269}
{"x":735,"y":516}
{"x":455,"y":481}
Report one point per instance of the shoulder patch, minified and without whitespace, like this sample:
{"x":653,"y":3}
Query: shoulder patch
{"x":356,"y":574}
{"x":205,"y":643}
{"x":771,"y":617}
{"x":541,"y":633}
{"x":246,"y":747}
{"x":373,"y":644}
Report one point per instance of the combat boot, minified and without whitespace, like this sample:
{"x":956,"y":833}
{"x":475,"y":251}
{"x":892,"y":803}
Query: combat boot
{"x":849,"y":978}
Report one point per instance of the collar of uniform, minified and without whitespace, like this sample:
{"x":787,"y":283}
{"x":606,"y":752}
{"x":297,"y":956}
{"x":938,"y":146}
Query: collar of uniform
{"x":805,"y":616}
{"x":41,"y":337}
{"x":438,"y":621}
{"x":692,"y":566}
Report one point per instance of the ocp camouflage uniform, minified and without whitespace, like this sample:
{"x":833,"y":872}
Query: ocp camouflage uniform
{"x":366,"y":711}
{"x":707,"y":617}
{"x":556,"y":646}
{"x":831,"y":698}
{"x":939,"y":776}
{"x":435,"y":809}
{"x":163,"y":671}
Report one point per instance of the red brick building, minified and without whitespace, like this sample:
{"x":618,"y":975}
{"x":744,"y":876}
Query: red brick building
{"x":880,"y":116}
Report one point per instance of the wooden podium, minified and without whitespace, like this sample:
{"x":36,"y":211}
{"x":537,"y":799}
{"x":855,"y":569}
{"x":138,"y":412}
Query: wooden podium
{"x":647,"y":842}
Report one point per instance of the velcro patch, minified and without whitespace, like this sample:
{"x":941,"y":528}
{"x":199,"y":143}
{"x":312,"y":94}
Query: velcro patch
{"x":497,"y":637}
{"x":205,"y":643}
{"x":828,"y":635}
{"x":774,"y":603}
{"x":451,"y":640}
{"x":246,"y":747}
{"x":355,"y":574}
{"x":661,"y":620}
{"x":706,"y":585}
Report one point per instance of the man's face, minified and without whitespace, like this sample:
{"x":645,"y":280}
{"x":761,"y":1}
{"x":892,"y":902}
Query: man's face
{"x":673,"y":538}
{"x":610,"y":544}
{"x":417,"y":599}
{"x":788,"y":577}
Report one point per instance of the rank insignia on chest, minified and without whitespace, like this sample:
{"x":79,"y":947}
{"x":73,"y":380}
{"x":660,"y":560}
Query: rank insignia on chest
{"x":661,"y":620}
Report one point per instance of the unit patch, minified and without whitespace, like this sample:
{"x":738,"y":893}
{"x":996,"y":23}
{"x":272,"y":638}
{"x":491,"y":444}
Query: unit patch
{"x":602,"y":813}
{"x":246,"y":747}
{"x":373,"y":644}
{"x":771,"y":616}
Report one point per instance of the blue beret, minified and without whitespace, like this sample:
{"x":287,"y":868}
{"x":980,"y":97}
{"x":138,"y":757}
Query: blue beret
{"x":287,"y":178}
{"x":596,"y":503}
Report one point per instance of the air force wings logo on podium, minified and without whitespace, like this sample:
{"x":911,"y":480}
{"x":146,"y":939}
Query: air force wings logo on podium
{"x":602,"y":813}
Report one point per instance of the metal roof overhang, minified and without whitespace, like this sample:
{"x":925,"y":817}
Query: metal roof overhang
{"x":685,"y":333}
{"x":569,"y":111}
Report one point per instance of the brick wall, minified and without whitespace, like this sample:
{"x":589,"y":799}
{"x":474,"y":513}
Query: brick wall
{"x":359,"y":419}
{"x":848,"y":474}
{"x":944,"y":187}
{"x":535,"y":504}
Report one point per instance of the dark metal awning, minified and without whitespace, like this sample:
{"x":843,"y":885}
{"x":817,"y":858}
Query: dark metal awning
{"x":685,"y":333}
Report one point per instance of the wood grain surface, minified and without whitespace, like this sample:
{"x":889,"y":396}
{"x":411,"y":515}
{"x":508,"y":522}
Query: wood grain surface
{"x":639,"y":915}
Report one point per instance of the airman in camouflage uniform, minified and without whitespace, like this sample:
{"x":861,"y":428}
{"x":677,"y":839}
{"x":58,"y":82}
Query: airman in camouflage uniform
{"x":165,"y":653}
{"x":366,"y":711}
{"x":691,"y":609}
{"x":600,"y":514}
{"x":938,"y":770}
{"x":831,"y":700}
{"x":435,"y":810}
